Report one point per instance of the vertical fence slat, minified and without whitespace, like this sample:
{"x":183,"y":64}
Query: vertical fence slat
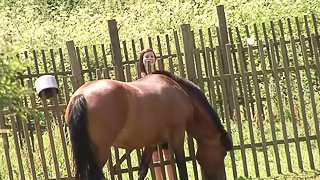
{"x":87,"y":58}
{"x":193,"y":157}
{"x":237,"y":110}
{"x":297,"y":73}
{"x":17,"y":148}
{"x":199,"y":69}
{"x":290,"y":97}
{"x":171,"y":66}
{"x":179,"y":56}
{"x":227,"y":115}
{"x":39,"y":133}
{"x":270,"y":108}
{"x":150,"y":42}
{"x":188,"y":51}
{"x":29,"y":148}
{"x":95,"y":55}
{"x":260,"y":113}
{"x":35,"y":59}
{"x":311,"y":91}
{"x":210,"y":79}
{"x":306,"y":24}
{"x":62,"y":135}
{"x":203,"y":51}
{"x":44,"y":61}
{"x":280,"y":103}
{"x":6,"y":146}
{"x":49,"y":127}
{"x":116,"y":50}
{"x":75,"y":64}
{"x":160,"y":63}
{"x":316,"y":56}
{"x":246,"y":91}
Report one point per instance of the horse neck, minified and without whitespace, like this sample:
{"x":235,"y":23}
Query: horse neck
{"x":201,"y":124}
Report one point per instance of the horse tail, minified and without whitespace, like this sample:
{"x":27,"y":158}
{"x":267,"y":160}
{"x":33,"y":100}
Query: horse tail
{"x":83,"y":157}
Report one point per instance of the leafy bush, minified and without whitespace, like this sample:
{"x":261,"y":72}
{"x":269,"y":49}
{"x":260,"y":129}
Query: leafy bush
{"x":48,"y":24}
{"x":11,"y":92}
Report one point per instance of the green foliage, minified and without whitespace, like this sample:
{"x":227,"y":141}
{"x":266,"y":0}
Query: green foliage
{"x":39,"y":24}
{"x":11,"y":92}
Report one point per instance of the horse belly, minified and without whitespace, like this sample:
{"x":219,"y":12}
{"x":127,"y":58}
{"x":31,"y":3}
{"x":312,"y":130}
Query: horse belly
{"x":138,"y":133}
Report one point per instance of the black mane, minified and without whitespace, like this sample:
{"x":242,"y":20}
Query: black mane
{"x":194,"y":89}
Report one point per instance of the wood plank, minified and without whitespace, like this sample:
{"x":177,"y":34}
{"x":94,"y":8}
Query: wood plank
{"x":302,"y":105}
{"x":280,"y":103}
{"x":29,"y":148}
{"x":75,"y":63}
{"x":58,"y":115}
{"x":247,"y":108}
{"x":312,"y":95}
{"x":272,"y":123}
{"x":104,"y":56}
{"x":6,"y":147}
{"x":179,"y":55}
{"x":38,"y":133}
{"x":199,"y":70}
{"x":236,"y":106}
{"x":260,"y":113}
{"x":87,"y":58}
{"x":49,"y":128}
{"x":95,"y":55}
{"x":171,"y":65}
{"x":316,"y":56}
{"x":5,"y":131}
{"x":160,"y":61}
{"x":17,"y":148}
{"x":212,"y":93}
{"x":227,"y":113}
{"x":44,"y":61}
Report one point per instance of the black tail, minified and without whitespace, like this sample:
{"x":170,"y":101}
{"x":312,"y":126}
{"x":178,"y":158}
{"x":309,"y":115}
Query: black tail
{"x":83,"y":156}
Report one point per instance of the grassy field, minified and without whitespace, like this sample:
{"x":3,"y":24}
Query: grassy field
{"x":306,"y":174}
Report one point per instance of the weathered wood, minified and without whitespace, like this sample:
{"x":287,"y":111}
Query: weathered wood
{"x":6,"y":146}
{"x":260,"y":113}
{"x":115,"y":47}
{"x":267,"y":85}
{"x":50,"y":133}
{"x":237,"y":114}
{"x":243,"y":69}
{"x":188,"y":51}
{"x":39,"y":133}
{"x":280,"y":103}
{"x":289,"y":91}
{"x":227,"y":114}
{"x":312,"y":95}
{"x":75,"y":64}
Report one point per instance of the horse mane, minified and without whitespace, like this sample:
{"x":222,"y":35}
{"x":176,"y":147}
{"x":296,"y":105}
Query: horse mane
{"x":195,"y":90}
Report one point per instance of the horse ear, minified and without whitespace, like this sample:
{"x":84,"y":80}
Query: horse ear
{"x":226,"y":140}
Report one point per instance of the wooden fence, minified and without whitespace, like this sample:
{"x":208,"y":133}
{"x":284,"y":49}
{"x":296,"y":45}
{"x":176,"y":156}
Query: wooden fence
{"x":267,"y":93}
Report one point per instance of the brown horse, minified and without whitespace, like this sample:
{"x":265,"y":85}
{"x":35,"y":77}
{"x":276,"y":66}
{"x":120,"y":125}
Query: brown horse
{"x":205,"y":126}
{"x":152,"y":110}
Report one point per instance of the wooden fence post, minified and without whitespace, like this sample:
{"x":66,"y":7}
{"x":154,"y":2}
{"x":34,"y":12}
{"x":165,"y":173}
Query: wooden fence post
{"x":115,"y":48}
{"x":75,"y":65}
{"x":188,"y":52}
{"x":223,"y":36}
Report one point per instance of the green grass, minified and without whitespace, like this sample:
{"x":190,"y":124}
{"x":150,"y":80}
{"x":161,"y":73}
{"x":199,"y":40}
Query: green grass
{"x":307,"y":173}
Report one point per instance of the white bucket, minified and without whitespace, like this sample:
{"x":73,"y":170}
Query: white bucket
{"x":45,"y":82}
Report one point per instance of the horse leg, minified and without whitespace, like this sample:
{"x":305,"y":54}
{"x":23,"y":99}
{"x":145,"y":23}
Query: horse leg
{"x":145,"y":161}
{"x":178,"y":149}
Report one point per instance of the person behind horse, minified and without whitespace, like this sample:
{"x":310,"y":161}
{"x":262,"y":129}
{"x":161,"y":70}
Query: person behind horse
{"x":148,"y":56}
